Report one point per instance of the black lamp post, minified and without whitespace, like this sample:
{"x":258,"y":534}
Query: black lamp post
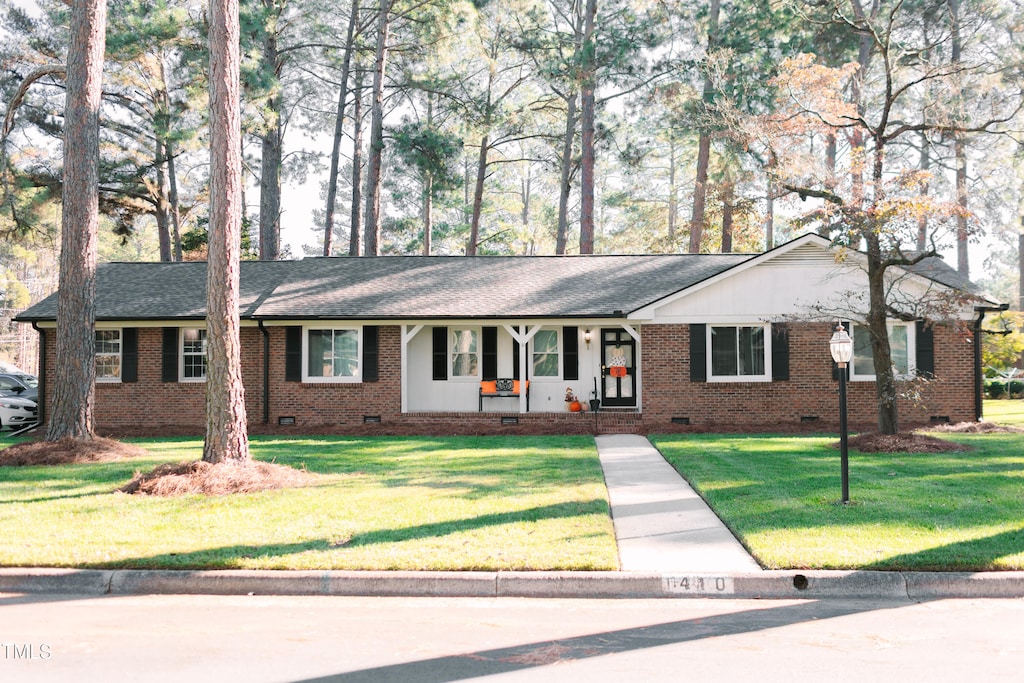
{"x":841,"y":347}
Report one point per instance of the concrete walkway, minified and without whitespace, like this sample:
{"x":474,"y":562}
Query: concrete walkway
{"x":660,"y":522}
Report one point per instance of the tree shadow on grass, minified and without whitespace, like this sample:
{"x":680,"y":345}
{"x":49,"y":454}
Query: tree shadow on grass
{"x":227,"y":557}
{"x":436,"y":529}
{"x":979,"y":554}
{"x":224,"y":557}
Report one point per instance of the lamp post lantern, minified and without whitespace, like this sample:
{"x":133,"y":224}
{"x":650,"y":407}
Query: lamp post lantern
{"x":841,"y":347}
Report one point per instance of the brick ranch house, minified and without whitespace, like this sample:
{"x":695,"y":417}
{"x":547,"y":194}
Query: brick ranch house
{"x":427,"y":345}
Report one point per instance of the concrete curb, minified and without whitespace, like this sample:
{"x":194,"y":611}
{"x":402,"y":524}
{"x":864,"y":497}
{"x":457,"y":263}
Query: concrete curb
{"x":566,"y":584}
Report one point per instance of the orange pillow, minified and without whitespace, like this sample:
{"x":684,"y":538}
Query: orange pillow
{"x":489,"y":387}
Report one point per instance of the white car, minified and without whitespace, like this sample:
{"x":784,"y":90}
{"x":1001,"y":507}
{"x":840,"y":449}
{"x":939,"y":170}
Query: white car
{"x":16,"y":413}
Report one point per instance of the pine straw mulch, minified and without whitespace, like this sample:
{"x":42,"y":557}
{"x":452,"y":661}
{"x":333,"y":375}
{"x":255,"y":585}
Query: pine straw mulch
{"x":68,"y":452}
{"x":173,"y":479}
{"x":917,"y":442}
{"x":904,"y":442}
{"x":974,"y":428}
{"x":179,"y":479}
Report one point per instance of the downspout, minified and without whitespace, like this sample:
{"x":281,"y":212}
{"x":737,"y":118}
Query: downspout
{"x":266,"y":371}
{"x":41,"y":379}
{"x":978,"y":384}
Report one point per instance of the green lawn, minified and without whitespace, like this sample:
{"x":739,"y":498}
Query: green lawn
{"x":492,"y":503}
{"x":779,"y":495}
{"x":1007,"y":412}
{"x":484,"y":503}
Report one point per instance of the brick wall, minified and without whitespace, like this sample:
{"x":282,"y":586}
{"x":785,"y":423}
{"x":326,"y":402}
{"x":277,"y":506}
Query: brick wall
{"x":807,"y":401}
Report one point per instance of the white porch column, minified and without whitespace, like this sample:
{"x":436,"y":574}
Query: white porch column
{"x":523,"y":339}
{"x":637,"y":373}
{"x":408,"y":332}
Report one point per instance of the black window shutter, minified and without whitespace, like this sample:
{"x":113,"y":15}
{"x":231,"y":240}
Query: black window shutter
{"x":371,"y":350}
{"x":130,"y":354}
{"x":698,"y":353}
{"x":571,"y":354}
{"x":515,"y":357}
{"x":490,"y":353}
{"x":440,"y":353}
{"x":780,"y":352}
{"x":925,"y":350}
{"x":169,"y":354}
{"x":293,"y":353}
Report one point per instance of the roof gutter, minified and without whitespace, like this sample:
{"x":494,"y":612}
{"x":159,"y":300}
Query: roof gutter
{"x":41,"y":379}
{"x":266,"y":372}
{"x":978,"y":385}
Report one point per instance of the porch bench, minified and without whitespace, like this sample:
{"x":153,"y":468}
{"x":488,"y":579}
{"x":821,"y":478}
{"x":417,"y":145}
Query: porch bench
{"x":503,"y":388}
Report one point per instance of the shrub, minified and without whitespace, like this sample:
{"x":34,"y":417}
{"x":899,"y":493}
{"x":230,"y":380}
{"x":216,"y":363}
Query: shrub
{"x":995,"y":389}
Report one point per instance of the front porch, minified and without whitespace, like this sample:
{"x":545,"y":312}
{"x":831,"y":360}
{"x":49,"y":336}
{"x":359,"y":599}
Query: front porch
{"x":443,"y":366}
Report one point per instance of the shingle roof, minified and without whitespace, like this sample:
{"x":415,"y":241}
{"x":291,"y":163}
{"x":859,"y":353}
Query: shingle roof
{"x":161,"y":291}
{"x":418,"y":287}
{"x":397,"y":287}
{"x":935,"y":268}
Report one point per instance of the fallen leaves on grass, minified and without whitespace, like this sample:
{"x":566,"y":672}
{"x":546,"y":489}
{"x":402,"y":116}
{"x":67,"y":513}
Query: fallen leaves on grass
{"x":179,"y":479}
{"x":68,"y":452}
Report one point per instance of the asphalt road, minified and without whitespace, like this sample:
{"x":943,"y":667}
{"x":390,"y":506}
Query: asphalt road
{"x":271,"y":638}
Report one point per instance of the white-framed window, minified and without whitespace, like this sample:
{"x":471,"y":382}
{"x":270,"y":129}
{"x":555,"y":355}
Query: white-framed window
{"x":902,"y":347}
{"x":193,"y":354}
{"x":464,"y":351}
{"x":332,"y":354}
{"x":739,"y":353}
{"x":545,"y":356}
{"x":108,"y":345}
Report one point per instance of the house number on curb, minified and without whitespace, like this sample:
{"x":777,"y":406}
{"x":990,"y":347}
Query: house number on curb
{"x":702,"y":585}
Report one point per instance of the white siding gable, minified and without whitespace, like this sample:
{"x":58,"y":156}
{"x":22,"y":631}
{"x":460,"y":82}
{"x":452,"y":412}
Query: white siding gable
{"x":803,"y":281}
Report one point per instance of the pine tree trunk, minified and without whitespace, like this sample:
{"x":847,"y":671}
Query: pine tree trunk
{"x":700,"y":185}
{"x":355,"y":240}
{"x":173,"y":197}
{"x":565,"y":184}
{"x":428,"y":189}
{"x":960,"y":151}
{"x":922,"y":221}
{"x":526,"y":189}
{"x":857,"y":140}
{"x":339,"y":119}
{"x":71,"y":415}
{"x":163,"y":205}
{"x":270,"y":166}
{"x":373,"y":169}
{"x":727,"y":213}
{"x":673,"y":191}
{"x":769,"y":210}
{"x":478,"y":197}
{"x":226,"y":433}
{"x":700,"y":192}
{"x":587,"y":115}
{"x":428,"y":210}
{"x":166,"y":148}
